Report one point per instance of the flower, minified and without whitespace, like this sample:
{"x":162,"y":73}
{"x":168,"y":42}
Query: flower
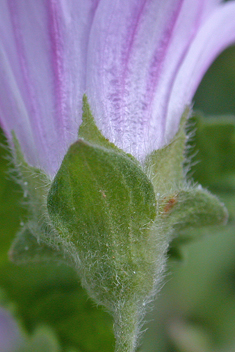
{"x":138,"y":61}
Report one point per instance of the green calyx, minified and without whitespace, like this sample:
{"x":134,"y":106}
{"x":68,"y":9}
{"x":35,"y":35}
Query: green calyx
{"x":95,"y":204}
{"x":112,"y":219}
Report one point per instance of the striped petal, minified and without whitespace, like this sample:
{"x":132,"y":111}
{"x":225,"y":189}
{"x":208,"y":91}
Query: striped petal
{"x":217,"y":33}
{"x":139,"y":63}
{"x":43,"y":50}
{"x":134,"y":56}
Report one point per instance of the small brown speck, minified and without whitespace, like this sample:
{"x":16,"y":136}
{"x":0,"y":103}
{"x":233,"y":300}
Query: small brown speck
{"x":169,"y":205}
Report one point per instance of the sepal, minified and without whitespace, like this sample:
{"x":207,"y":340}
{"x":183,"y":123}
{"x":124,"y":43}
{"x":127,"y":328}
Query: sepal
{"x":165,"y":167}
{"x":193,"y":207}
{"x":26,"y":248}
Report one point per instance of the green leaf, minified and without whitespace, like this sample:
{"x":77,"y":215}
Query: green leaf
{"x":50,"y":294}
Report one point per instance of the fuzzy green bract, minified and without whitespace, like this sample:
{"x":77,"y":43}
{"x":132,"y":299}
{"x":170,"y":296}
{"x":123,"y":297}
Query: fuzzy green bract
{"x":104,"y":205}
{"x":113,"y":219}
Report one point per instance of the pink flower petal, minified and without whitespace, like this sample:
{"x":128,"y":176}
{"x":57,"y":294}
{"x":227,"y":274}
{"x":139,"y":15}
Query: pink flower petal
{"x":217,"y":33}
{"x":134,"y":55}
{"x":139,"y":62}
{"x":43,"y":49}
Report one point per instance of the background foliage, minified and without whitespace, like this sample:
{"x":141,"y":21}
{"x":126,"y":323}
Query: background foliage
{"x":195,"y":311}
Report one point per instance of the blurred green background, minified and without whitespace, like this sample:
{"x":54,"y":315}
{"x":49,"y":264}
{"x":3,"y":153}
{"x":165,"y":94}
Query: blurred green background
{"x":195,"y":310}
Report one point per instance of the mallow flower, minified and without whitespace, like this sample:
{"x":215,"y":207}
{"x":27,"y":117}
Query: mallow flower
{"x":92,"y":93}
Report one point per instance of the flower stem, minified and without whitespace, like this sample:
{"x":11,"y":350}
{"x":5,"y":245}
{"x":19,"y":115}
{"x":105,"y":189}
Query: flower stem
{"x":126,"y":327}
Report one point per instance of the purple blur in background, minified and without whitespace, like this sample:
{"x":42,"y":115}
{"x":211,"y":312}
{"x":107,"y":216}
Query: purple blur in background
{"x":9,"y":332}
